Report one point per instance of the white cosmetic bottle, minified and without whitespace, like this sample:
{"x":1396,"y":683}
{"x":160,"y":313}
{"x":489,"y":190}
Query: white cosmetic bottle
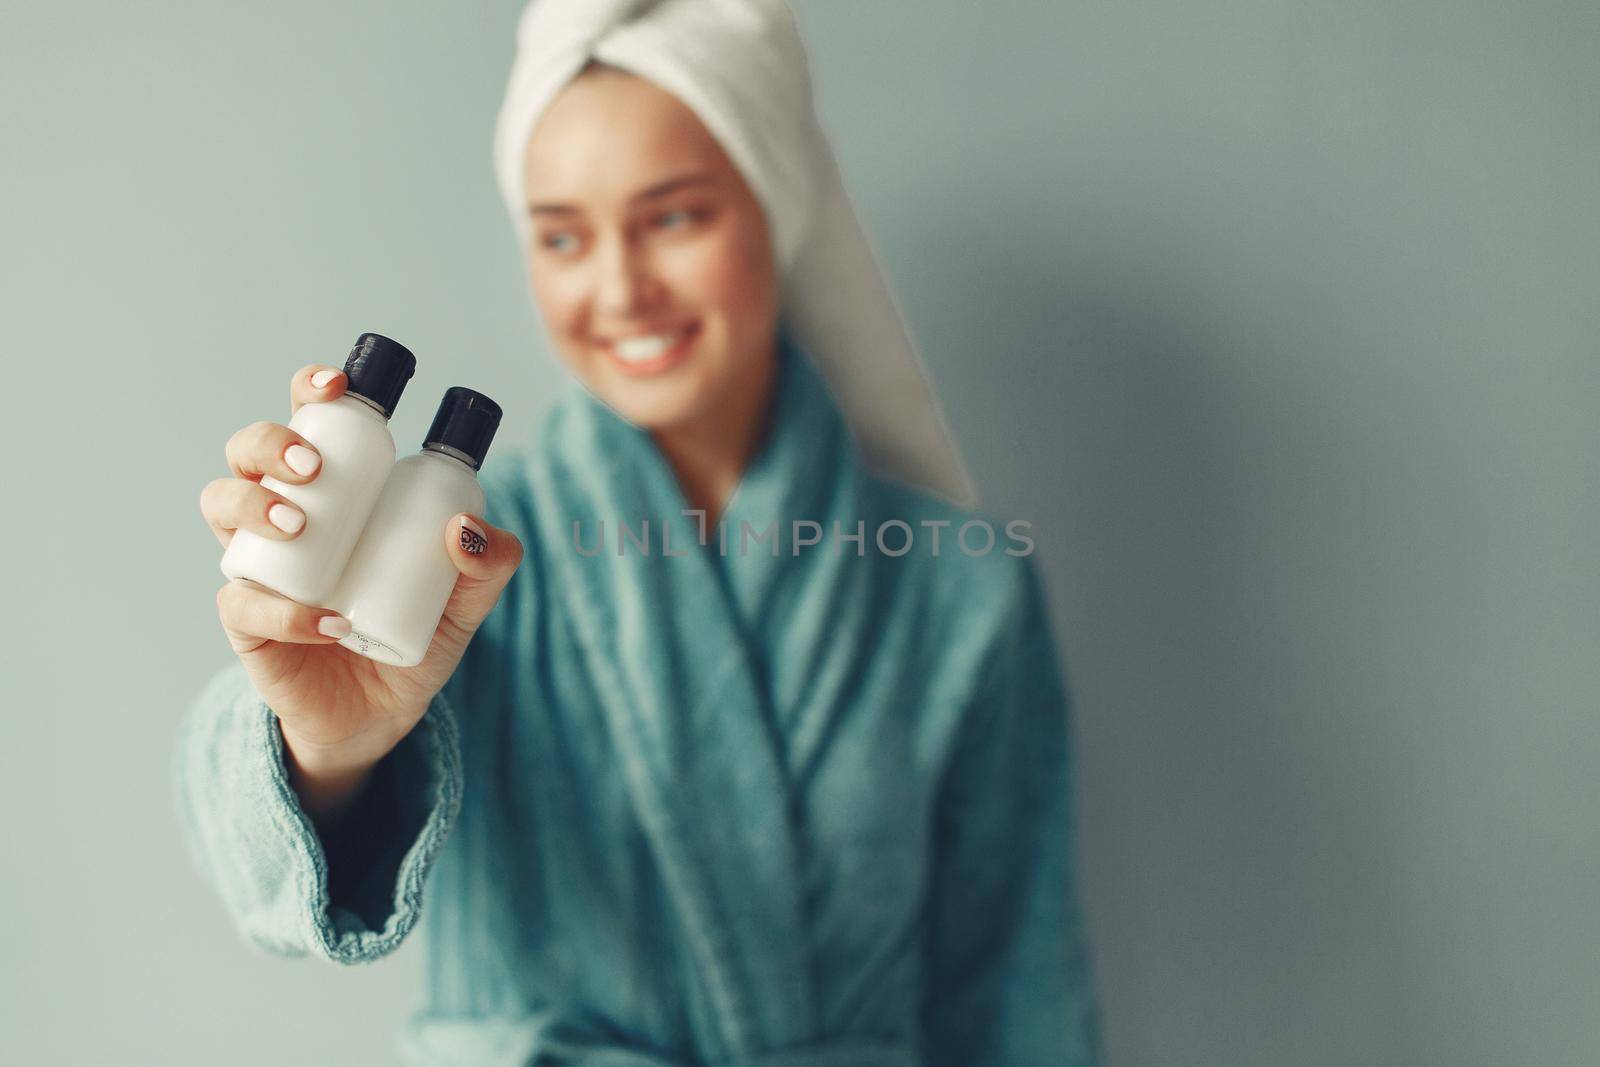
{"x":352,"y":436}
{"x":400,"y":577}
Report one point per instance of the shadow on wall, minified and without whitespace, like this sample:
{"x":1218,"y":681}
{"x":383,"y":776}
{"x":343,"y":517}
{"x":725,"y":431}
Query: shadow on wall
{"x":1183,"y":478}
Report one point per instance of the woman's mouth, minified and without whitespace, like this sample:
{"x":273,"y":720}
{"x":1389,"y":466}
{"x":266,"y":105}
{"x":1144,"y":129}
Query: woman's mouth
{"x":651,"y":353}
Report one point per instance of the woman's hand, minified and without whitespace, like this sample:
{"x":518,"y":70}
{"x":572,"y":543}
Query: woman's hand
{"x":339,"y":712}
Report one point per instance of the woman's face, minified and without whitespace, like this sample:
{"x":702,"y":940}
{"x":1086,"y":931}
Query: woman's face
{"x":650,"y":257}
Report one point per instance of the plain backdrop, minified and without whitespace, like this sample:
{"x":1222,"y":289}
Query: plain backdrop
{"x":1278,"y":320}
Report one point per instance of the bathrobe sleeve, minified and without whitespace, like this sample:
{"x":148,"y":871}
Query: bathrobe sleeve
{"x":350,"y":898}
{"x":1008,"y":974}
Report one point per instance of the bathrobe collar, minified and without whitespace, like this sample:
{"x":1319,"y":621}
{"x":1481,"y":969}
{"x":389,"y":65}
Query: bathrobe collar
{"x":674,"y":645}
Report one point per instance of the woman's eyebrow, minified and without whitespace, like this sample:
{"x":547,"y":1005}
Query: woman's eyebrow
{"x":660,"y":189}
{"x":672,"y":185}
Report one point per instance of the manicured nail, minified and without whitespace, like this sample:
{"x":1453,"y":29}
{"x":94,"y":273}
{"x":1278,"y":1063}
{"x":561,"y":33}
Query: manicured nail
{"x":474,"y":541}
{"x":302,"y":460}
{"x":285,"y":518}
{"x":333,"y":626}
{"x":321,"y":379}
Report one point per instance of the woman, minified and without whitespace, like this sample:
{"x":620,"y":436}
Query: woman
{"x":794,"y":798}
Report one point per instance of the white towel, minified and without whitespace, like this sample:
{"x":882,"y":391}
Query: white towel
{"x":741,"y":67}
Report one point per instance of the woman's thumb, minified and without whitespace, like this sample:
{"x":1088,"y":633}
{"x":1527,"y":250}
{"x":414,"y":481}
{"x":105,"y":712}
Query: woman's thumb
{"x":487,"y":557}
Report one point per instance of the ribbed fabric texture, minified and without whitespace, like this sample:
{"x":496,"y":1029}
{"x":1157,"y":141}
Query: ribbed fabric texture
{"x":261,"y":851}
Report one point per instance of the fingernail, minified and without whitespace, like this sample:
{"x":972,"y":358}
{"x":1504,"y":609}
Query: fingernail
{"x":285,"y":518}
{"x":333,"y":626}
{"x":474,"y":541}
{"x":302,"y":460}
{"x":321,"y":379}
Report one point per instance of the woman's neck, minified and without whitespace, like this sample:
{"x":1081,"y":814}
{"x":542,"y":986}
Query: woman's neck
{"x":709,"y":455}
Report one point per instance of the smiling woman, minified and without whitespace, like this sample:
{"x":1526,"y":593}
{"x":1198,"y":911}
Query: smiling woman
{"x":800,"y":808}
{"x":654,"y":272}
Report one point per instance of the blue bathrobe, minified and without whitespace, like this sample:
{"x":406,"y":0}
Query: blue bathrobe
{"x":774,"y":804}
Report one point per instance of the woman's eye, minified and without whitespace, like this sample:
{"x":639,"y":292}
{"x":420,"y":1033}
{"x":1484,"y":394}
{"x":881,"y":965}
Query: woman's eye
{"x":559,"y":242}
{"x":674,"y":219}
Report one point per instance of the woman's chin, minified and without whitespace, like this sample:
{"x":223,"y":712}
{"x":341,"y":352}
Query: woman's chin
{"x":654,"y":404}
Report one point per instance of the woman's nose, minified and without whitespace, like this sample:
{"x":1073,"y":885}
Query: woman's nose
{"x":626,"y":284}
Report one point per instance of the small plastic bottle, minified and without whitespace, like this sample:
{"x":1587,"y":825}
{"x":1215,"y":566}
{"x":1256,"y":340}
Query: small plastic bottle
{"x":352,"y":436}
{"x":400,"y":577}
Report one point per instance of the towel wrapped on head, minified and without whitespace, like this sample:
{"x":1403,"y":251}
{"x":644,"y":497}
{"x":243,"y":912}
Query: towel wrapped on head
{"x":741,"y":67}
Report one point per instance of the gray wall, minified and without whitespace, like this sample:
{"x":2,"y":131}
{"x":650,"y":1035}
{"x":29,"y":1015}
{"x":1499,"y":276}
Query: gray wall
{"x":1277,"y":319}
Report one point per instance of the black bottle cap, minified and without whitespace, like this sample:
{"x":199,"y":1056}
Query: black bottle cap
{"x":466,"y":422}
{"x":378,"y":370}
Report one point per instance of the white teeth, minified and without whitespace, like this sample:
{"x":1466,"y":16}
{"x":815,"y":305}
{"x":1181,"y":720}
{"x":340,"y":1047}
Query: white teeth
{"x":643,"y":349}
